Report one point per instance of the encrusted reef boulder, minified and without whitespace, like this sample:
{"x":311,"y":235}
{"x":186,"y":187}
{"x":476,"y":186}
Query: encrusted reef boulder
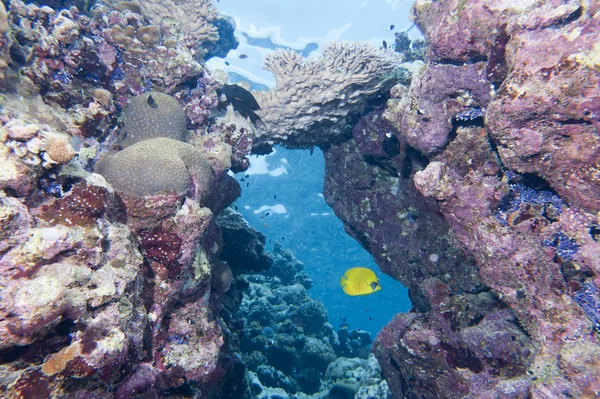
{"x":72,"y":307}
{"x":505,"y":115}
{"x":426,"y":115}
{"x":469,"y":342}
{"x":109,"y":289}
{"x":546,"y":118}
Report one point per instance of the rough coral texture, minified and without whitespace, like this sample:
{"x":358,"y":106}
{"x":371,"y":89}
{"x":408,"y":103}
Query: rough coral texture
{"x":196,"y":18}
{"x":96,"y":53}
{"x":426,"y":115}
{"x":314,"y":101}
{"x":547,"y":117}
{"x":150,"y":115}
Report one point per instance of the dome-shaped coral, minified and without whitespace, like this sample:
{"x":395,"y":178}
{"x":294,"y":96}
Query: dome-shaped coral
{"x":151,"y":115}
{"x":155,"y":166}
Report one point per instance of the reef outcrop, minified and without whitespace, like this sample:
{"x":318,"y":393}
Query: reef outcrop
{"x":474,"y":181}
{"x":110,"y":285}
{"x":476,"y":187}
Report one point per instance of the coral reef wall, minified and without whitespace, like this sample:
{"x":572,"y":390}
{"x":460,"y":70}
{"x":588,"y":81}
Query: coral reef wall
{"x":109,"y":290}
{"x":505,"y":117}
{"x":477,"y":187}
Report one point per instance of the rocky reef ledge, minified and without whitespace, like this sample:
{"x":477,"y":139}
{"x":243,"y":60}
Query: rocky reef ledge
{"x":471,"y":176}
{"x":477,"y":187}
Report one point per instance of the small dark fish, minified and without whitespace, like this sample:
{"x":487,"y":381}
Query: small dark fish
{"x":247,"y":176}
{"x":384,"y":44}
{"x":242,"y":179}
{"x":226,"y":63}
{"x":283,"y":238}
{"x":242,"y":101}
{"x":392,"y":27}
{"x":267,"y":214}
{"x":370,"y":318}
{"x":243,"y":56}
{"x":247,"y":184}
{"x":235,"y":207}
{"x":275,"y":196}
{"x":152,"y":102}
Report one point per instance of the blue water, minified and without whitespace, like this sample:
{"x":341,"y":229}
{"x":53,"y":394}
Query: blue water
{"x":291,"y":182}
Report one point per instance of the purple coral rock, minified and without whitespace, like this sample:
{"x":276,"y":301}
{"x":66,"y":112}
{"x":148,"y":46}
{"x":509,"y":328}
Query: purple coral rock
{"x":424,"y":117}
{"x":552,"y":126}
{"x":140,"y":381}
{"x":467,"y":343}
{"x":390,"y":218}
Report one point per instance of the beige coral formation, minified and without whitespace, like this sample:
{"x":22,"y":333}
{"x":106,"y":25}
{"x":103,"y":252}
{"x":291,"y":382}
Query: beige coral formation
{"x":314,"y":100}
{"x":59,"y":148}
{"x":158,"y":165}
{"x":196,"y":17}
{"x":153,"y":114}
{"x":3,"y":19}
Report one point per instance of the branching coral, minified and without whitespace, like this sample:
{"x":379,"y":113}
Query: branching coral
{"x":314,"y":100}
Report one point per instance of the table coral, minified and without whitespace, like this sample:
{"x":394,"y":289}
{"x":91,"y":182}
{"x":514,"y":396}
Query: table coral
{"x":314,"y":101}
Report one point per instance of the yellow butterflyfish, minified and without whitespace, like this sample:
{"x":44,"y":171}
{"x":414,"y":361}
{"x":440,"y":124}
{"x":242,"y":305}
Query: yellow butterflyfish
{"x":359,"y":281}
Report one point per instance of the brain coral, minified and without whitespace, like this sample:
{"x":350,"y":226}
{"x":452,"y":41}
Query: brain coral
{"x":151,"y":115}
{"x":154,"y":166}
